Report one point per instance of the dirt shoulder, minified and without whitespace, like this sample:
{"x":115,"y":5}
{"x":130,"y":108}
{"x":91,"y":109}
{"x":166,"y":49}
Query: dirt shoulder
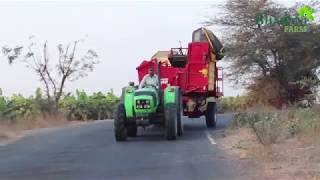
{"x":10,"y":132}
{"x":295,"y":158}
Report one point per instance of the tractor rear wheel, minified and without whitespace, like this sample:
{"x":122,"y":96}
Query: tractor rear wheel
{"x":179,"y":115}
{"x":120,"y":130}
{"x":171,"y":121}
{"x":211,"y":115}
{"x":132,"y":130}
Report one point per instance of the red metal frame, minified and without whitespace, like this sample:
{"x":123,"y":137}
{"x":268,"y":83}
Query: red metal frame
{"x":192,"y":79}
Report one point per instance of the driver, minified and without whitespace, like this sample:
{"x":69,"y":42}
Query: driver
{"x":150,"y":79}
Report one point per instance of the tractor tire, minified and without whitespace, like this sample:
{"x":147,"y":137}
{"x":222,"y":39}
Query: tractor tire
{"x":120,"y":130}
{"x":171,"y":122}
{"x":132,"y":130}
{"x":211,"y":115}
{"x":179,"y":116}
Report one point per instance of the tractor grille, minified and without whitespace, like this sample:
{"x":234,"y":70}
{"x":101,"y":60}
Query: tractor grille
{"x":143,"y":104}
{"x":146,"y":93}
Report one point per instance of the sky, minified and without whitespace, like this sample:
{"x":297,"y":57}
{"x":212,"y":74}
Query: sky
{"x":122,"y":33}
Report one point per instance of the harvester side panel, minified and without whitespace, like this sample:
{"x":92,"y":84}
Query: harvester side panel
{"x":196,"y":71}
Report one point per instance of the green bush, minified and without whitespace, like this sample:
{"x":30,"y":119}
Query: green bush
{"x":85,"y":107}
{"x":75,"y":107}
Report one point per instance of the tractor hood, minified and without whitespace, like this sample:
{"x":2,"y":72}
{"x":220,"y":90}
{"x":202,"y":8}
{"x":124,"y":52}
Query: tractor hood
{"x":147,"y":91}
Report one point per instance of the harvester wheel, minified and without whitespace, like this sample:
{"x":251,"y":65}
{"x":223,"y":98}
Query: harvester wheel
{"x":120,"y":130}
{"x":179,"y":116}
{"x":211,"y":115}
{"x":171,"y":122}
{"x":132,"y":130}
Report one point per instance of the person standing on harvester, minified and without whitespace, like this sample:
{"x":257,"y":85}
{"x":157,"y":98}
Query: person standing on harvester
{"x":150,"y":79}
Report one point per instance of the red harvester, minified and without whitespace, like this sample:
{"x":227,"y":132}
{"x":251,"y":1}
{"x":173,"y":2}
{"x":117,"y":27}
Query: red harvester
{"x":194,"y":70}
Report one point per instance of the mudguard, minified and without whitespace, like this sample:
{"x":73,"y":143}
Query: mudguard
{"x":170,"y":95}
{"x":127,"y":100}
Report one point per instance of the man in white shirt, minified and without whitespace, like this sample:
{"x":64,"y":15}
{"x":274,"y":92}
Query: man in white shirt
{"x":150,"y":79}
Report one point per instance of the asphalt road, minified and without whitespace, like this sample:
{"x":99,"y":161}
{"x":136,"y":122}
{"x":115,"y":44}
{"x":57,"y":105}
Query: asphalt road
{"x":89,"y":152}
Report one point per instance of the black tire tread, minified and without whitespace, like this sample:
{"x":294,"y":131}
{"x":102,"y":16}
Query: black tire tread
{"x":119,"y":124}
{"x":132,"y":130}
{"x":211,"y":115}
{"x":171,"y":121}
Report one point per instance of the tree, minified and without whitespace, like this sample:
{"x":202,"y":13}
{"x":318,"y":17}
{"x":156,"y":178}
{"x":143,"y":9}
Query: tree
{"x":261,"y":55}
{"x":69,"y":65}
{"x":3,"y":103}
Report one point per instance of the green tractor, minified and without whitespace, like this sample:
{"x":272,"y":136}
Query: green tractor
{"x":149,"y":106}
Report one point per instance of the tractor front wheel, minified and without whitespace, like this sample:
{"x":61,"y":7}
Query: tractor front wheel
{"x":132,"y":130}
{"x":211,"y":115}
{"x":171,"y":121}
{"x":120,"y":130}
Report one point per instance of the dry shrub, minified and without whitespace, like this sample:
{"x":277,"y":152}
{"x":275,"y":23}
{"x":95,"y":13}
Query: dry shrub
{"x":267,"y":130}
{"x":265,"y":125}
{"x":308,"y":121}
{"x":316,"y":108}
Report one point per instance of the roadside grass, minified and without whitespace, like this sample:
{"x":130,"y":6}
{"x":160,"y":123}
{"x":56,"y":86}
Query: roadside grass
{"x":271,"y":126}
{"x":10,"y":129}
{"x":278,"y":144}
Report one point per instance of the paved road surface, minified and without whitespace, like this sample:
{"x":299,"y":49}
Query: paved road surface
{"x":89,"y":152}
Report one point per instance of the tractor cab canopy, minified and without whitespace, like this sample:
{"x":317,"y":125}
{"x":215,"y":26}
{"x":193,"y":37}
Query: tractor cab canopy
{"x":205,"y":35}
